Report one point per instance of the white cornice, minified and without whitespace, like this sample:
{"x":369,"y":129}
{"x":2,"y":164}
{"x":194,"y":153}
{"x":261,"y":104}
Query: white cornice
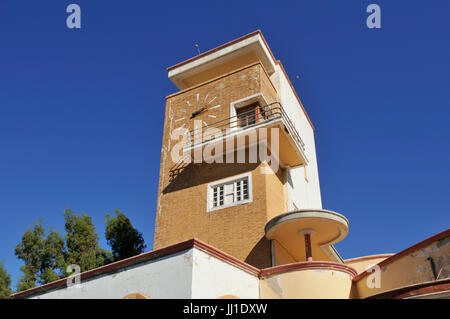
{"x":254,"y":43}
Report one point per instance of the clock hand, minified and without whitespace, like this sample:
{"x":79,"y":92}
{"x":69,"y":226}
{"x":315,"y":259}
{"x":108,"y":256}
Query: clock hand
{"x":194,"y":114}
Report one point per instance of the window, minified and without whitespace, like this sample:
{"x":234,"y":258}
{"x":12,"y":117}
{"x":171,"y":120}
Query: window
{"x":248,"y":115}
{"x":241,"y":187}
{"x":218,"y":199}
{"x":230,"y":192}
{"x":249,"y":111}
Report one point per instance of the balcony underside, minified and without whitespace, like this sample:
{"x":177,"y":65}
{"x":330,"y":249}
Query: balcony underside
{"x":326,"y":228}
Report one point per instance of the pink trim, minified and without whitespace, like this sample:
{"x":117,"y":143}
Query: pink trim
{"x":308,"y":265}
{"x":155,"y":254}
{"x":194,"y":243}
{"x":414,"y":290}
{"x":188,"y":244}
{"x":225,"y":257}
{"x":407,"y":251}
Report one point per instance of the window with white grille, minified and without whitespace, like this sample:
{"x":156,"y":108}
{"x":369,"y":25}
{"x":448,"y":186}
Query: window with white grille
{"x":218,"y":199}
{"x":229,"y":193}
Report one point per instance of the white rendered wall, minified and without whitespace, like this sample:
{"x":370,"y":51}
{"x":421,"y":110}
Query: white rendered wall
{"x":166,"y":277}
{"x":213,"y":278}
{"x":188,"y":274}
{"x":304,"y":193}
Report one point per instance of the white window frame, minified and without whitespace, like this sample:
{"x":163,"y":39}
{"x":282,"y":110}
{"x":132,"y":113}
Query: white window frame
{"x":230,"y":180}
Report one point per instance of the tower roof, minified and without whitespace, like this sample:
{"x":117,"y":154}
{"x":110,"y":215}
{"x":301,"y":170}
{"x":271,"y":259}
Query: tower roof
{"x":244,"y":50}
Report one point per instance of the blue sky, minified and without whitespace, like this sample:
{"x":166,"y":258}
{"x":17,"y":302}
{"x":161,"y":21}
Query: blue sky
{"x":81,"y":111}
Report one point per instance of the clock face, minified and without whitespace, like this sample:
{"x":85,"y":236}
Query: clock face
{"x":198,"y":105}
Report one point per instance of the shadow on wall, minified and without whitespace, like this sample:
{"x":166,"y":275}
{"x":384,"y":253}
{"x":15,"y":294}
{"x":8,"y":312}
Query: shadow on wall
{"x":259,"y":256}
{"x":183,"y":176}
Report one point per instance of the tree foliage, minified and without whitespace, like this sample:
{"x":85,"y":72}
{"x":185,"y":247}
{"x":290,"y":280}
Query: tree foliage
{"x":5,"y":282}
{"x":47,"y":255}
{"x":43,"y":255}
{"x":82,"y":242}
{"x":124,"y":240}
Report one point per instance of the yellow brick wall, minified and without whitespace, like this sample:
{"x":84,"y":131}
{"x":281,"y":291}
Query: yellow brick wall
{"x":276,"y":202}
{"x":182,"y":198}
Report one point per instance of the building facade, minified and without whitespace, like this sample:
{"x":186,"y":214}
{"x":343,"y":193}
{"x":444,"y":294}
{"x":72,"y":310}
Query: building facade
{"x":229,"y":98}
{"x":239,"y":212}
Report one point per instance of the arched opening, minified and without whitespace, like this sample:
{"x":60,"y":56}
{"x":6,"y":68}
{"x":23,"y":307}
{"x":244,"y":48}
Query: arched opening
{"x":136,"y":295}
{"x":228,"y":297}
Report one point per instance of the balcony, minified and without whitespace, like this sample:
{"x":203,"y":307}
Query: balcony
{"x":308,"y":234}
{"x":307,"y":280}
{"x":246,"y":122}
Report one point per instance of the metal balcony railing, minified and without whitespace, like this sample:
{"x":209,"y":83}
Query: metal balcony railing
{"x":246,"y":120}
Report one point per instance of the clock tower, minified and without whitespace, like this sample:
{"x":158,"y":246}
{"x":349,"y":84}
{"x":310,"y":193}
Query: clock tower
{"x":237,"y":155}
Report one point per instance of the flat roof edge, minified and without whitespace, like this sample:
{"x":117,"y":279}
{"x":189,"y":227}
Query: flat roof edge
{"x":148,"y":256}
{"x":201,"y":55}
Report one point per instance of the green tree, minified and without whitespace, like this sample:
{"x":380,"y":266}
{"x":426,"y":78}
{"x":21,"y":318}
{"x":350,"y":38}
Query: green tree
{"x":28,"y":279}
{"x":124,"y":239}
{"x":5,"y":282}
{"x":82,"y":242}
{"x":42,"y":254}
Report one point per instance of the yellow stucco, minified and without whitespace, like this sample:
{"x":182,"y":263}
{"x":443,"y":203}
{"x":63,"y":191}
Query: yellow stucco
{"x":363,"y":263}
{"x":409,"y":269}
{"x":307,"y":284}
